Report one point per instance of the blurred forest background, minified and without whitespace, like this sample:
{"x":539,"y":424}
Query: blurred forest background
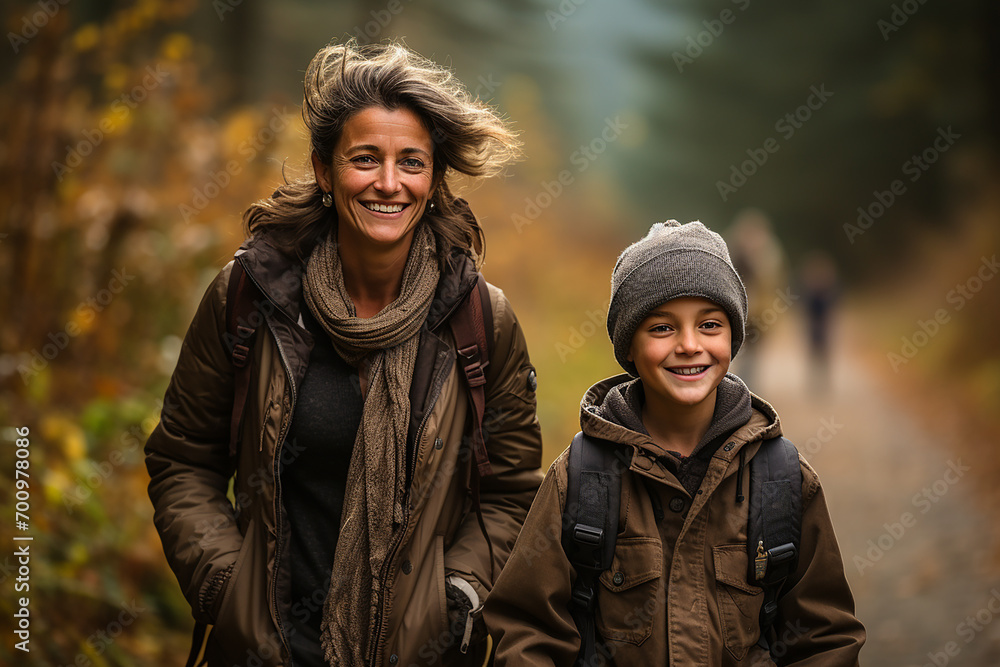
{"x":863,"y":134}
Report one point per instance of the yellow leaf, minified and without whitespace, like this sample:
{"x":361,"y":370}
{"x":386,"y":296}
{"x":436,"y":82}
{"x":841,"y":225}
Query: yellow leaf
{"x":176,"y":46}
{"x":86,"y":37}
{"x":56,"y":484}
{"x":116,"y":77}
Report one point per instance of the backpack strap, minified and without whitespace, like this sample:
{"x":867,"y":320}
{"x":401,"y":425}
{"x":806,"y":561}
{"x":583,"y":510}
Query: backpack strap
{"x":241,"y":324}
{"x":198,"y":636}
{"x":775,"y":523}
{"x":472,"y":327}
{"x":590,"y":528}
{"x":469,"y":327}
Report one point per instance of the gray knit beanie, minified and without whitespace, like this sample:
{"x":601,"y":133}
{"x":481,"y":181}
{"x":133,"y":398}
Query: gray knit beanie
{"x":671,"y":261}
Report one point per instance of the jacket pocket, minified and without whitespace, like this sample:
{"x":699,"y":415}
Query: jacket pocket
{"x":238,"y":600}
{"x":739,"y":602}
{"x":630,"y":595}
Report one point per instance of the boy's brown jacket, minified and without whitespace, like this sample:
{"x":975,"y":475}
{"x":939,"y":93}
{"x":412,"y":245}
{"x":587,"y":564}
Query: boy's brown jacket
{"x":677,"y":591}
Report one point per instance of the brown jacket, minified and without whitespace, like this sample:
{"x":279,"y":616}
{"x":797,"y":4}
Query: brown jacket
{"x":683,"y":598}
{"x":204,"y":535}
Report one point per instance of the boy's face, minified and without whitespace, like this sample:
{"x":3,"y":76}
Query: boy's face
{"x":682,"y":350}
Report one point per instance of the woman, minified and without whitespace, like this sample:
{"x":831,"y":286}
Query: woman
{"x":359,"y":533}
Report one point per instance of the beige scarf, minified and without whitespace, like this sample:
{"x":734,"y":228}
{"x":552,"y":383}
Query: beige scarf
{"x":373,"y":503}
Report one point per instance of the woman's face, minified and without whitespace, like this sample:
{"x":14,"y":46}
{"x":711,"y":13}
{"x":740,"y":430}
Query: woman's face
{"x":381,"y":178}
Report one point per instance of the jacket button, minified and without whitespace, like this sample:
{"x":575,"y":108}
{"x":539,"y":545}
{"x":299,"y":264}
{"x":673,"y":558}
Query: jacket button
{"x":729,"y":446}
{"x":618,"y":579}
{"x":532,"y":381}
{"x":676,"y":504}
{"x":438,"y":443}
{"x":407,"y":567}
{"x":393,"y":659}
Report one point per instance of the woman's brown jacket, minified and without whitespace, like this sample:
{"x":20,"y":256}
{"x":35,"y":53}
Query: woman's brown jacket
{"x":204,"y":535}
{"x":677,"y":590}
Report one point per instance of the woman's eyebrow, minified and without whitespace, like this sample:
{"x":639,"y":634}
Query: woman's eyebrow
{"x":372,"y":148}
{"x":410,"y":151}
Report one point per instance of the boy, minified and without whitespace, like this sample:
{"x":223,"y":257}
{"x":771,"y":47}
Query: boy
{"x":677,"y":591}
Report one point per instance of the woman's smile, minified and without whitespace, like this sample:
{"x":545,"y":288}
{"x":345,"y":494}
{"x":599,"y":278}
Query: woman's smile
{"x":381,"y":178}
{"x":389,"y":210}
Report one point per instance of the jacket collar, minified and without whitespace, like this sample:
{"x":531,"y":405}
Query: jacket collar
{"x":277,"y":275}
{"x":279,"y":278}
{"x":763,"y":422}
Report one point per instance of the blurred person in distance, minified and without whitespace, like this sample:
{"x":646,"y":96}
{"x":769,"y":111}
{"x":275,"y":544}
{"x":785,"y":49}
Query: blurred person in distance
{"x":819,"y":284}
{"x":760,"y":263}
{"x":363,"y":533}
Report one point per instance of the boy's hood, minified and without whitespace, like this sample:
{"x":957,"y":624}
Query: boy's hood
{"x":626,"y":428}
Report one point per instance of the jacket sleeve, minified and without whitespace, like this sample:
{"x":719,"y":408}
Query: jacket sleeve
{"x":514,"y":443}
{"x":816,"y":624}
{"x":187,"y":457}
{"x":527,"y":613}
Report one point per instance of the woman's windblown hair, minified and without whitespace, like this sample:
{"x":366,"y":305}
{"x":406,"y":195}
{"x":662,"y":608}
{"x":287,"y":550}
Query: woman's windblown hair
{"x":343,"y":79}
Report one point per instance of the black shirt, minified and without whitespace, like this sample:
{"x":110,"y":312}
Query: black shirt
{"x":313,"y":482}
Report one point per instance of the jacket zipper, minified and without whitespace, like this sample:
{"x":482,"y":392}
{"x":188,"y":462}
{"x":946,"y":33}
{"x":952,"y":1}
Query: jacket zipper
{"x":282,"y":432}
{"x":277,"y":494}
{"x":380,"y":629}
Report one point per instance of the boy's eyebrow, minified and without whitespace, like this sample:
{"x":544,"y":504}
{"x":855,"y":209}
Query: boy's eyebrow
{"x":660,"y":310}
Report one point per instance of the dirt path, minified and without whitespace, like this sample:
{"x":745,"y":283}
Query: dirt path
{"x":917,"y":548}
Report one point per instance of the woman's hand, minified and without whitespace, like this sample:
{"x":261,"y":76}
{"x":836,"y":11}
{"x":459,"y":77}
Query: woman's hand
{"x":464,"y":609}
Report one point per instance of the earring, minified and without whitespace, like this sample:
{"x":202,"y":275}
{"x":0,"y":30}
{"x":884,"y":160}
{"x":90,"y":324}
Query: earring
{"x":327,"y":199}
{"x":430,"y":207}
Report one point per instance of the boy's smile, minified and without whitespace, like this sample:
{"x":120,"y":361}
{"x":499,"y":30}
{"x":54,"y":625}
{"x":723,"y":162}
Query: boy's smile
{"x":682,"y":350}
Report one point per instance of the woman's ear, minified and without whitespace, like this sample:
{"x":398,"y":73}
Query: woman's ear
{"x":322,"y":171}
{"x":436,"y":181}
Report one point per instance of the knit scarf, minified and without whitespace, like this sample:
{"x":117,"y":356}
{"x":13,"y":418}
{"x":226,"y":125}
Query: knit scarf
{"x":373,"y":502}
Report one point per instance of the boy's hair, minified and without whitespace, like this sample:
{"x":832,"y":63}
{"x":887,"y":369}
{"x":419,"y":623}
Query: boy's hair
{"x":672,"y":261}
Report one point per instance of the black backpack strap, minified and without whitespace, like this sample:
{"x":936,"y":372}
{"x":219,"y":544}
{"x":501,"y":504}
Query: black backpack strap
{"x":774,"y":524}
{"x":241,"y":324}
{"x":590,"y":528}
